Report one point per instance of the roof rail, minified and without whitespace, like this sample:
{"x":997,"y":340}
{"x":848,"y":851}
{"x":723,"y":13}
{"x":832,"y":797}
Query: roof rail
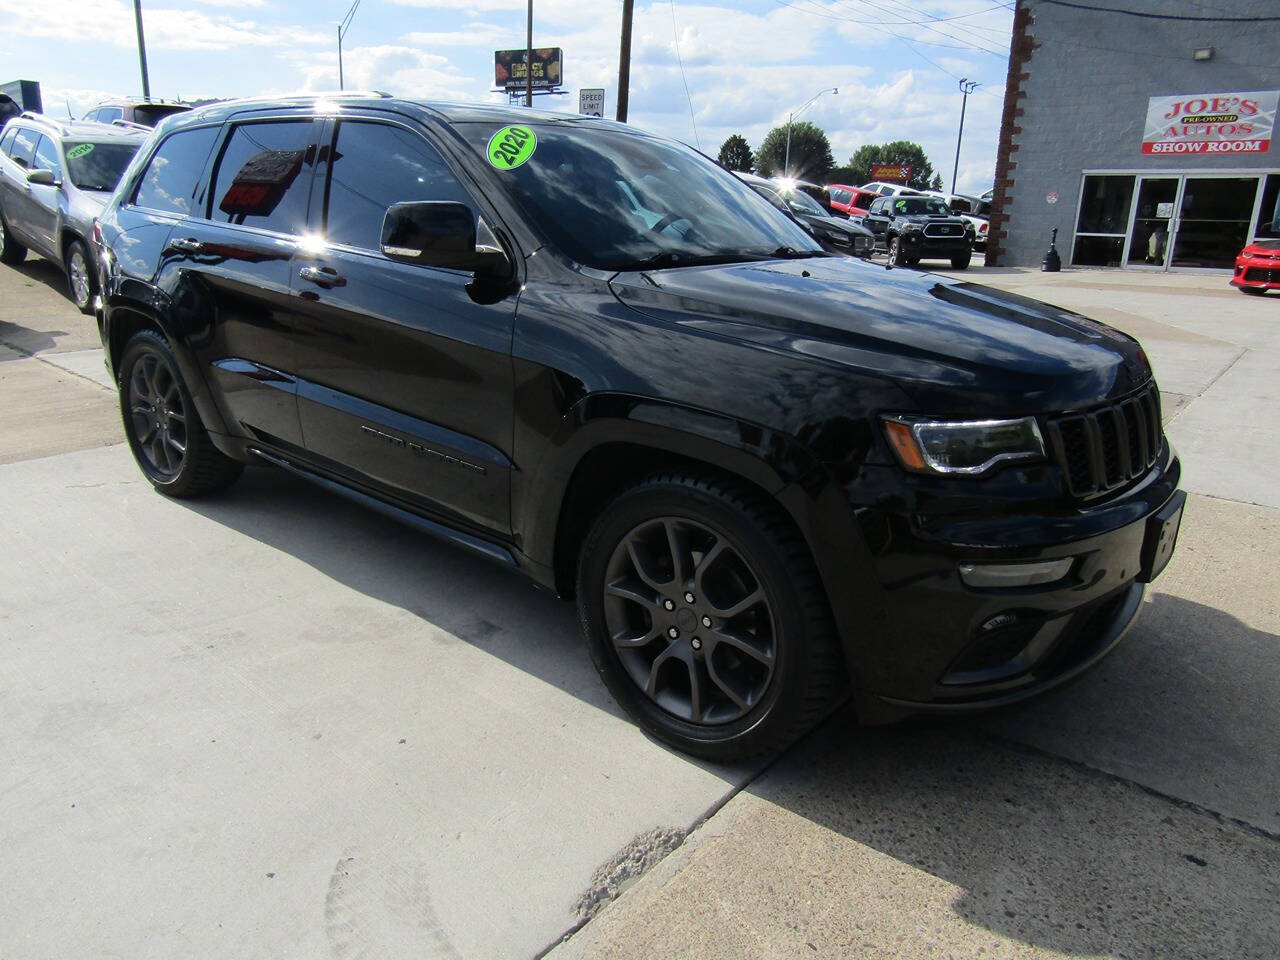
{"x":129,"y":125}
{"x":45,"y":119}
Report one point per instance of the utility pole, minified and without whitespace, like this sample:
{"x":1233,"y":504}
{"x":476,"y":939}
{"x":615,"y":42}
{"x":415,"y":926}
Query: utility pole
{"x":967,"y":87}
{"x":142,"y":50}
{"x":528,"y":61}
{"x":343,"y":27}
{"x":786,"y":163}
{"x":624,"y":62}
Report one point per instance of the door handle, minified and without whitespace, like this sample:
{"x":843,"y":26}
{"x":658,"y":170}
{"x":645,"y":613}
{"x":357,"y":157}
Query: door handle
{"x":323,"y":277}
{"x":187,"y":245}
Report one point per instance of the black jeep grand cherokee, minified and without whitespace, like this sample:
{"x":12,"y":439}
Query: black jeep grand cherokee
{"x":765,"y":473}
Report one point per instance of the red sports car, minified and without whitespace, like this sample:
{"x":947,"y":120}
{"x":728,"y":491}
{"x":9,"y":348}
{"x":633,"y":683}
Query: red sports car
{"x":1258,"y":267}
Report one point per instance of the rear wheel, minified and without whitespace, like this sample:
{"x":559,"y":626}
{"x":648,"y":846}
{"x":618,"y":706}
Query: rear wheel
{"x":11,"y":252}
{"x":162,"y":426}
{"x":960,"y":261}
{"x":80,"y":280}
{"x":704,"y":615}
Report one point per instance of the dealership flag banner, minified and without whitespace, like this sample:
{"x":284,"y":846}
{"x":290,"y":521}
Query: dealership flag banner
{"x":1214,"y":123}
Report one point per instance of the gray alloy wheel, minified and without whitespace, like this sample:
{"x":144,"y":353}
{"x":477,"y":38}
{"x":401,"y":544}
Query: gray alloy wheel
{"x":690,"y":620}
{"x":80,"y":277}
{"x":157,"y":416}
{"x":896,"y":256}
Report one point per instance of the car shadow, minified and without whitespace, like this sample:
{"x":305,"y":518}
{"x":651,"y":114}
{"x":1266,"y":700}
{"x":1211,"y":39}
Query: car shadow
{"x":1052,"y":852}
{"x":44,"y":271}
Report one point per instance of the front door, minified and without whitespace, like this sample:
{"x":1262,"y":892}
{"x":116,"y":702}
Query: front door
{"x":405,"y":378}
{"x":1153,"y":216}
{"x":1213,"y":220}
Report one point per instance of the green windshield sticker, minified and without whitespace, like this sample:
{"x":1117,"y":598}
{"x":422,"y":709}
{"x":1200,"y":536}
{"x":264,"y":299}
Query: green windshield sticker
{"x":83,"y":150}
{"x":511,"y":146}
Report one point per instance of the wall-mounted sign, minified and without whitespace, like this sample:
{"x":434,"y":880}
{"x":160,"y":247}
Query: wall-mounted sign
{"x":891,"y":172}
{"x":1052,"y":197}
{"x":1164,"y":211}
{"x":1216,"y":123}
{"x":591,"y":101}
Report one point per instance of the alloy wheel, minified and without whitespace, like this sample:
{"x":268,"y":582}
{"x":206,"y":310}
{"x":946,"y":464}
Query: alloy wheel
{"x":690,"y":620}
{"x":157,"y":414}
{"x":3,"y":237}
{"x":78,"y":271}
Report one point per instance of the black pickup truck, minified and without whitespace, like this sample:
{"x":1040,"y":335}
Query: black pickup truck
{"x":920,"y":228}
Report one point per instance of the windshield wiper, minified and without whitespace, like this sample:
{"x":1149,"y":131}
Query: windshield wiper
{"x":791,"y":253}
{"x":675,"y":258}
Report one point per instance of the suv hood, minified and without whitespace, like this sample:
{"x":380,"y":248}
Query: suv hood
{"x":936,"y":337}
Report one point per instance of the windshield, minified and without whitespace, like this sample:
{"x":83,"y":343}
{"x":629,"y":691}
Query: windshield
{"x":616,"y":200}
{"x":801,"y":202}
{"x":98,"y":166}
{"x":914,"y":206}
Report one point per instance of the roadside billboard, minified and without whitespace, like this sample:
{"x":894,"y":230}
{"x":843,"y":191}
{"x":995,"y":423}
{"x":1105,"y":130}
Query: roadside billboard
{"x":891,"y":172}
{"x":509,"y":68}
{"x":1216,"y":123}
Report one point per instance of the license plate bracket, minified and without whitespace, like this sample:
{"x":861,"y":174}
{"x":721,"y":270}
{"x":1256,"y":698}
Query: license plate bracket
{"x":1161,"y":537}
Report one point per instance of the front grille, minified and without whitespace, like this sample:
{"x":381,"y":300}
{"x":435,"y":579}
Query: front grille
{"x":943,"y":230}
{"x":1262,"y":275}
{"x":1103,"y":449}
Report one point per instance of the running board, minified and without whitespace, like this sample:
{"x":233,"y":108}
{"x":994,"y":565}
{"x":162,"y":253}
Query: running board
{"x":441,"y":531}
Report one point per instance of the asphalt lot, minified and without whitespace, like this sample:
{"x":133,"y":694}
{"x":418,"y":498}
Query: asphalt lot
{"x":273,"y":724}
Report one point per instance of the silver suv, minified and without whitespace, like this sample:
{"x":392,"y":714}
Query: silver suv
{"x":55,"y":178}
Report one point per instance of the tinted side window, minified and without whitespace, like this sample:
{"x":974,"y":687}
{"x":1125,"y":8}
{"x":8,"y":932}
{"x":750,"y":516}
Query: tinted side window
{"x":263,"y":178}
{"x":169,"y":182}
{"x":47,"y":158}
{"x":6,"y":141}
{"x":375,"y":165}
{"x":23,"y":150}
{"x":107,"y":114}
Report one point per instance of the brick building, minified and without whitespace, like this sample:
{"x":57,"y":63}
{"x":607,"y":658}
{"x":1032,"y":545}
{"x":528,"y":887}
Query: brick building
{"x":1141,"y":130}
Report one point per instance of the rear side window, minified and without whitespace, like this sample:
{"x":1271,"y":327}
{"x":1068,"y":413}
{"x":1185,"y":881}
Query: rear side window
{"x":169,"y":182}
{"x":107,"y":114}
{"x":23,"y":150}
{"x":375,"y":165}
{"x":6,"y":141}
{"x":264,"y":176}
{"x":47,"y":158}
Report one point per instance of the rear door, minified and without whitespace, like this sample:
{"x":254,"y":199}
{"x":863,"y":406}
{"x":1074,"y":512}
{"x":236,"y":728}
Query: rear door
{"x":405,"y":378}
{"x":43,"y":209}
{"x":229,"y":265}
{"x":16,"y":198}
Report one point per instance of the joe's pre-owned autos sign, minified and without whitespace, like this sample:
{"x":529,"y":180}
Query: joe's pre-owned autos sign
{"x":1211,"y":123}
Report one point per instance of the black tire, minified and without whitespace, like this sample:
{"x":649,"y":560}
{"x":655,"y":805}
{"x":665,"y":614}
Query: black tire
{"x":81,"y":283}
{"x":1252,"y":291}
{"x":162,"y":426}
{"x":960,"y":261}
{"x":897,"y":255}
{"x":11,"y":252}
{"x":790,"y":624}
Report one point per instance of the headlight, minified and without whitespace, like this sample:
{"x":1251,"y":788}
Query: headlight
{"x":962,"y":447}
{"x":910,"y":227}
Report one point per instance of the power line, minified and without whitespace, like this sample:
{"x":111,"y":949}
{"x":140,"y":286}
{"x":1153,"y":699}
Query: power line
{"x":1160,"y":16}
{"x":925,"y":24}
{"x":675,"y":33}
{"x":931,"y":43}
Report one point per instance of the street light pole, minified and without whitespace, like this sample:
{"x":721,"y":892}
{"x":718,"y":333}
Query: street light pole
{"x":142,"y":50}
{"x":624,"y":62}
{"x":528,"y":61}
{"x":786,"y":163}
{"x":967,"y":87}
{"x":343,"y":27}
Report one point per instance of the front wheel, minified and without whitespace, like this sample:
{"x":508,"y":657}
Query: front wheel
{"x":162,"y":426}
{"x":80,"y":281}
{"x":897,"y":255}
{"x":704,"y":616}
{"x":1252,"y":291}
{"x":960,"y":261}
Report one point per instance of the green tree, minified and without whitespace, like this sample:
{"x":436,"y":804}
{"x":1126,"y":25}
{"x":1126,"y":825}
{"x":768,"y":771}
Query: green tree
{"x":735,"y":153}
{"x":810,"y":152}
{"x":897,"y":151}
{"x":936,"y":182}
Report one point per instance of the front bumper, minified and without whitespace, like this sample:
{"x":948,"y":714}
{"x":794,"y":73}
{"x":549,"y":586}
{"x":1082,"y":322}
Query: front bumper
{"x":918,"y":245}
{"x":1257,"y":273}
{"x":945,"y":646}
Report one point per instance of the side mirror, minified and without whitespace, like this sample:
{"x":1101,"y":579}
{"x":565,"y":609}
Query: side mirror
{"x":441,"y":233}
{"x":44,"y":178}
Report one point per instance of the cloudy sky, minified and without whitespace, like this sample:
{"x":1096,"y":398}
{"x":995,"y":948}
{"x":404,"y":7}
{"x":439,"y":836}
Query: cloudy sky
{"x":747,"y":62}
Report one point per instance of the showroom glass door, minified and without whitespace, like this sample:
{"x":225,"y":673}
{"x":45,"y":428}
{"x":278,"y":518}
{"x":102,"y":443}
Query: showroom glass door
{"x":1152,"y":219}
{"x":1212,"y":222}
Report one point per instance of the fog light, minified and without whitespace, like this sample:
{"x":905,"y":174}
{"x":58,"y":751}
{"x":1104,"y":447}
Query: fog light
{"x":1014,"y":574}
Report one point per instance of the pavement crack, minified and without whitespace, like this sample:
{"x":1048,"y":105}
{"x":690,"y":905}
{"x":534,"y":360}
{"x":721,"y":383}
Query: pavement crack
{"x":1222,"y":373}
{"x":1188,"y":805}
